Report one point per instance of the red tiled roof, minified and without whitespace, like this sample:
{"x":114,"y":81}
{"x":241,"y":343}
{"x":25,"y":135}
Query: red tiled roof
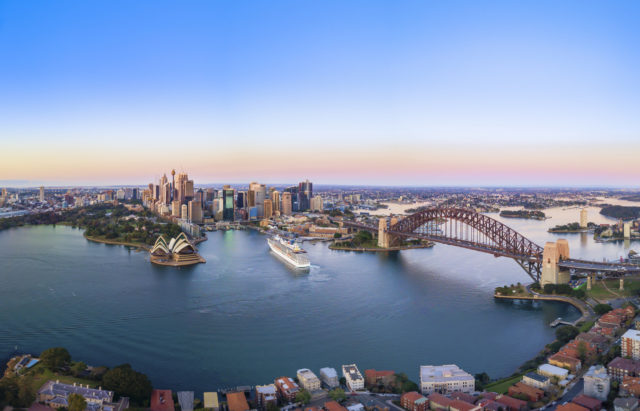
{"x":461,"y":405}
{"x":588,"y":402}
{"x":439,"y":399}
{"x":411,"y":396}
{"x":571,"y":407}
{"x":334,"y":406}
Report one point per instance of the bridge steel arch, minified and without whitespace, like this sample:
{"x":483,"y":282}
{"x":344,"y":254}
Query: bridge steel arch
{"x":467,"y":228}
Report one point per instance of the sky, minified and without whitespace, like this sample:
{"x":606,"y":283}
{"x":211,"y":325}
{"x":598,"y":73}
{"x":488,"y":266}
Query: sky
{"x":423,"y":93}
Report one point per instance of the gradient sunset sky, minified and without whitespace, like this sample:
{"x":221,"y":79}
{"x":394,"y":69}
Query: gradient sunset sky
{"x":354,"y":92}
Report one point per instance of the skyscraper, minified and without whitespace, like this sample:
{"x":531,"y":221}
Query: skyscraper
{"x":268,"y":209}
{"x":583,"y":218}
{"x":293,"y":195}
{"x":241,"y":200}
{"x":260,"y":193}
{"x":42,"y":194}
{"x":228,"y":205}
{"x":286,"y":203}
{"x":305,"y":193}
{"x":275,"y":200}
{"x":195,"y":212}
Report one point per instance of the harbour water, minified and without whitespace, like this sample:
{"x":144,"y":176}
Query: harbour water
{"x":245,"y":318}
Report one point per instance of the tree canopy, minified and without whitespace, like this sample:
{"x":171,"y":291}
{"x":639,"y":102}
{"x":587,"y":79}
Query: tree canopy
{"x":55,"y":358}
{"x":602,"y":309}
{"x":126,"y":382}
{"x":76,"y":402}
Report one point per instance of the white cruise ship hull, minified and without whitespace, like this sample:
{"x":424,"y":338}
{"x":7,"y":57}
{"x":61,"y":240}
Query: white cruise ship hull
{"x":291,"y":258}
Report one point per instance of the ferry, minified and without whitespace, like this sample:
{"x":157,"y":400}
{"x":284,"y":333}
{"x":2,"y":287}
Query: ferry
{"x":289,"y":251}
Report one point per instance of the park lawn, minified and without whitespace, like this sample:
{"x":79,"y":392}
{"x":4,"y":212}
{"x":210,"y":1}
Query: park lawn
{"x":586,"y":326}
{"x":41,"y":374}
{"x":599,"y":292}
{"x":502,"y":386}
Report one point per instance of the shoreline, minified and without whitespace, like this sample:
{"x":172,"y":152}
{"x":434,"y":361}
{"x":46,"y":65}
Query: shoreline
{"x":139,"y":246}
{"x":582,"y":307}
{"x":378,"y":250}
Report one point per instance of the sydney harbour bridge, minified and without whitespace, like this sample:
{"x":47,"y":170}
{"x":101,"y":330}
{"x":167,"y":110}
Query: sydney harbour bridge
{"x":463,"y":227}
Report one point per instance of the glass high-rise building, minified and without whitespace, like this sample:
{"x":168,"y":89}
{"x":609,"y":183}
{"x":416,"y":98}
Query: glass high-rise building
{"x":228,"y":204}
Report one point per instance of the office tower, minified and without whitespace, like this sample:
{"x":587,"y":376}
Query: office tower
{"x":195,"y":212}
{"x":305,"y":193}
{"x":181,"y":187}
{"x":286,"y":203}
{"x":268,"y":209}
{"x":165,"y":194}
{"x":251,"y":198}
{"x":184,"y":212}
{"x":175,"y":208}
{"x":293,"y":191}
{"x":316,"y":203}
{"x":199,"y":197}
{"x":583,"y":218}
{"x":189,"y":192}
{"x":228,"y":205}
{"x":275,"y":200}
{"x":260,"y":193}
{"x":241,"y":200}
{"x":42,"y":194}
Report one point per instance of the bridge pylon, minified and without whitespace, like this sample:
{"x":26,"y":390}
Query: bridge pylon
{"x":551,"y":256}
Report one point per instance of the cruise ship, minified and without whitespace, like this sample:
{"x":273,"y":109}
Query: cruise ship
{"x":289,"y":251}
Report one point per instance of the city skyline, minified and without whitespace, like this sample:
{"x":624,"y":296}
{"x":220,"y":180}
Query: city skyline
{"x":417,"y":94}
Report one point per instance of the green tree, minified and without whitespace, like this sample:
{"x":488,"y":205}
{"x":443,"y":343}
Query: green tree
{"x":337,"y":394}
{"x":482,"y":379}
{"x":602,"y":309}
{"x":337,"y":235}
{"x":271,"y":406}
{"x":566,"y":333}
{"x":78,"y":367}
{"x":55,"y":358}
{"x":76,"y":402}
{"x":126,"y":382}
{"x":582,"y":351}
{"x":303,"y":396}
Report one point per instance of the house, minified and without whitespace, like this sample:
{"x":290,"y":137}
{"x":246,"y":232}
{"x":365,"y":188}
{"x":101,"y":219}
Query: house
{"x":487,"y":404}
{"x":532,"y":393}
{"x":630,"y":386}
{"x":619,"y":367}
{"x":536,"y":380}
{"x":590,"y":403}
{"x":414,"y":401}
{"x":162,"y":400}
{"x":459,"y":395}
{"x":577,"y":349}
{"x":562,"y":361}
{"x":237,"y":401}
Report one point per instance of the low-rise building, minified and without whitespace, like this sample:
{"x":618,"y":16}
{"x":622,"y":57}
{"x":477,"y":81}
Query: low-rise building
{"x":619,"y":367}
{"x":571,"y":407}
{"x":536,"y":380}
{"x":287,"y":388}
{"x":333,"y":406}
{"x":329,"y":377}
{"x":445,"y":379}
{"x":55,"y":394}
{"x":512,"y":404}
{"x":355,"y":381}
{"x":553,"y":371}
{"x":625,"y":404}
{"x":630,"y":345}
{"x":521,"y":389}
{"x":630,"y":386}
{"x":414,"y":401}
{"x":266,"y":394}
{"x":438,"y":401}
{"x":373,"y":377}
{"x":459,"y":405}
{"x":599,"y":341}
{"x":308,"y":379}
{"x":237,"y":401}
{"x":570,"y":363}
{"x":597,"y":382}
{"x":211,"y":401}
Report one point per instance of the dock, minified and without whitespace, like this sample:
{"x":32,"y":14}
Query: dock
{"x":559,"y":321}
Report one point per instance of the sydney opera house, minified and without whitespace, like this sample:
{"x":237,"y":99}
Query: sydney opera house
{"x":179,"y":251}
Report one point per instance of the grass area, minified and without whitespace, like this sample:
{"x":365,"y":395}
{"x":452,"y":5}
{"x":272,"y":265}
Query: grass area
{"x":600,"y":292}
{"x":586,"y":326}
{"x":502,"y":386}
{"x":39,"y":374}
